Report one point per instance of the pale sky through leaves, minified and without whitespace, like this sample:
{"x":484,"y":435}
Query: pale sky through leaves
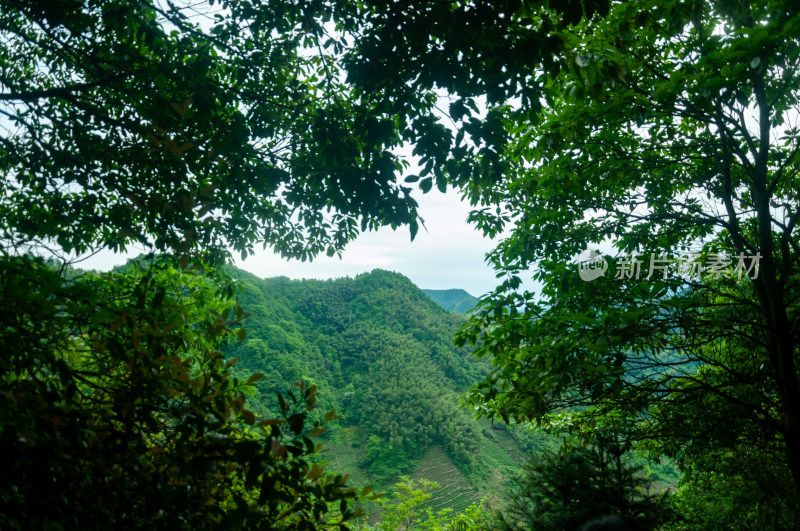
{"x":450,"y":254}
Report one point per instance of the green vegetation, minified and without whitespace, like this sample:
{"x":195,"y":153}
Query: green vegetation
{"x":407,"y":510}
{"x":666,"y":130}
{"x":119,"y":410}
{"x":563,"y":488}
{"x":380,"y":353}
{"x":665,"y":134}
{"x":453,"y":300}
{"x":148,"y":123}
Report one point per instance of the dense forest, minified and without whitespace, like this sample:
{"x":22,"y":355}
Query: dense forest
{"x":638,"y":161}
{"x":380,"y":353}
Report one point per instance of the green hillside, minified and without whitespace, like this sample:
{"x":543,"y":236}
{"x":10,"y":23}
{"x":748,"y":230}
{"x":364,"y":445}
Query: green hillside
{"x":380,"y":351}
{"x":453,"y":300}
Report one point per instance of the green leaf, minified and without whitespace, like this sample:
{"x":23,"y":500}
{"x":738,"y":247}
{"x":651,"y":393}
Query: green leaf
{"x":426,"y":184}
{"x":255,"y":377}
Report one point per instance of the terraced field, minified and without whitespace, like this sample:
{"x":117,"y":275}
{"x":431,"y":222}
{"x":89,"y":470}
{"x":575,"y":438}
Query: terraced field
{"x":454,"y":489}
{"x":498,"y":459}
{"x":500,"y":449}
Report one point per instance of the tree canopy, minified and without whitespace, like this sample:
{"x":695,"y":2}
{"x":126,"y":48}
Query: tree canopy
{"x":380,"y":353}
{"x":666,"y":135}
{"x":189,"y":127}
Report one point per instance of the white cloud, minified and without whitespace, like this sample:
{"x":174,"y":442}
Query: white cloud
{"x":449,"y":254}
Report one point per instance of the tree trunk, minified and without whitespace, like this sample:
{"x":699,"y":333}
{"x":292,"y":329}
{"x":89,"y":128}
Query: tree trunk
{"x":789,"y":390}
{"x":770,"y":292}
{"x":781,"y":350}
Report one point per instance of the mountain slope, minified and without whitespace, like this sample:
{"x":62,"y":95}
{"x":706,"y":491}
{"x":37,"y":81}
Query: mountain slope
{"x":453,"y":300}
{"x":381,"y":354}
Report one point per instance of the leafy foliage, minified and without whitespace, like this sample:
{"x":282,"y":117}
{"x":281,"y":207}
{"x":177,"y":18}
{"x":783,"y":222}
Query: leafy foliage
{"x":655,"y":127}
{"x":119,"y":411}
{"x":566,"y":488}
{"x":745,"y":489}
{"x":668,"y":130}
{"x":188,"y":128}
{"x":404,"y":511}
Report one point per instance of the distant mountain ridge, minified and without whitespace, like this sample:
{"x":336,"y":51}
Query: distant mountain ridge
{"x":452,"y":300}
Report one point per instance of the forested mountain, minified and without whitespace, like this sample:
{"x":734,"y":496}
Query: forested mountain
{"x":379,"y":350}
{"x":454,"y":300}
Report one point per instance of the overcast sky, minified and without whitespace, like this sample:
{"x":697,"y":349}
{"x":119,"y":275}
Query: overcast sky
{"x":450,"y":254}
